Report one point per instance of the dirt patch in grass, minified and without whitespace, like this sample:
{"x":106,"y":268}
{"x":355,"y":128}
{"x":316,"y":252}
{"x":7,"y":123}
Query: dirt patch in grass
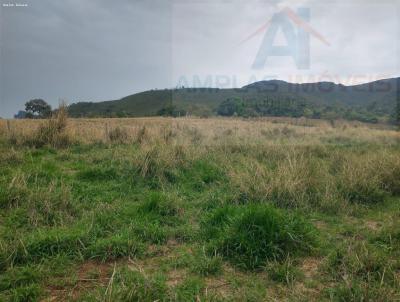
{"x":301,"y":292}
{"x":373,"y":225}
{"x":92,"y":270}
{"x":155,"y":250}
{"x":89,"y":275}
{"x":218,"y":286}
{"x":175,"y":277}
{"x":310,"y":267}
{"x":311,"y":287}
{"x":321,"y":225}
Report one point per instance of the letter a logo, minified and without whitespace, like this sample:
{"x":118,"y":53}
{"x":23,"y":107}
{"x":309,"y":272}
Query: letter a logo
{"x":297,"y":38}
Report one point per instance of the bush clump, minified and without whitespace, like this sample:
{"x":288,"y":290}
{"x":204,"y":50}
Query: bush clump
{"x":52,"y":132}
{"x":249,"y":236}
{"x":118,"y":135}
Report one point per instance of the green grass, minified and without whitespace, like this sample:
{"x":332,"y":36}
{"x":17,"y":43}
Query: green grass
{"x":251,"y":235}
{"x":184,"y":223}
{"x":284,"y":272}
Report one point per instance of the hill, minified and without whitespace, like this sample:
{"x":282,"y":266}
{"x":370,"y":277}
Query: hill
{"x":370,"y":102}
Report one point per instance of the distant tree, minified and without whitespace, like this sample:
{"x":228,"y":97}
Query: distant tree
{"x":308,"y":113}
{"x":20,"y":115}
{"x":37,"y":108}
{"x":171,"y":110}
{"x":231,"y":107}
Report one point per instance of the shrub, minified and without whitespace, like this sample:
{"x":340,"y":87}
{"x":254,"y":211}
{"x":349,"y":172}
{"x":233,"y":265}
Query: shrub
{"x":252,"y":235}
{"x":52,"y":131}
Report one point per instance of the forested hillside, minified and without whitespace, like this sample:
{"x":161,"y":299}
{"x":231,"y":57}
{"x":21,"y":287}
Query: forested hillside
{"x":370,"y":102}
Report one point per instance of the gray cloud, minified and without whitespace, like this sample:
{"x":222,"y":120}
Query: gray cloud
{"x":102,"y":49}
{"x":82,"y":50}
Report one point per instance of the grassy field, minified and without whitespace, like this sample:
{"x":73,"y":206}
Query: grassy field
{"x":159,"y":209}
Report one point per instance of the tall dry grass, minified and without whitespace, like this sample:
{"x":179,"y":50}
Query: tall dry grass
{"x":211,"y":132}
{"x":292,"y":163}
{"x":38,"y":133}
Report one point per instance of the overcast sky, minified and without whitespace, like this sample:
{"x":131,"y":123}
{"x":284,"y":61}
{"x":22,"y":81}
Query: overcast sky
{"x":94,"y":50}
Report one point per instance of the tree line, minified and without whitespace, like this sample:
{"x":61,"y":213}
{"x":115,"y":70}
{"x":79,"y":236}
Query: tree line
{"x":36,"y":108}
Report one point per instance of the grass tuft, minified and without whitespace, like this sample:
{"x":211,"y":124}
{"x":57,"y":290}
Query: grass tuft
{"x":52,"y":131}
{"x":159,"y":204}
{"x":283,"y":272}
{"x":134,"y":286}
{"x":252,"y":235}
{"x":118,"y":135}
